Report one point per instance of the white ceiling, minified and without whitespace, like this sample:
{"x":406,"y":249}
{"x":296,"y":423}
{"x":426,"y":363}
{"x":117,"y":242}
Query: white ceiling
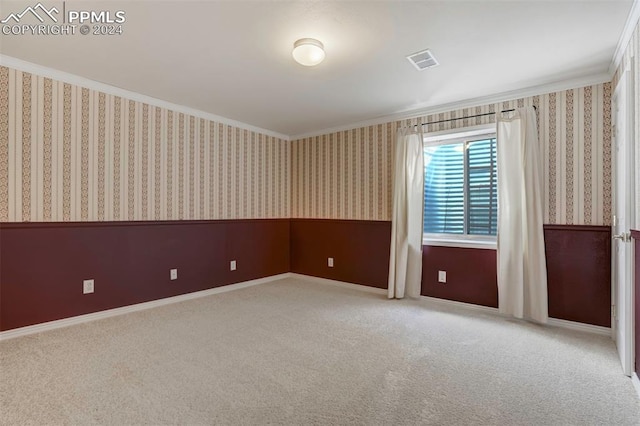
{"x":233,"y":59}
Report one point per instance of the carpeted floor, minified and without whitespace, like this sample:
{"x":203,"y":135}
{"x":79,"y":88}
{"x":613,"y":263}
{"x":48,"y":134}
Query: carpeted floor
{"x":296,"y":352}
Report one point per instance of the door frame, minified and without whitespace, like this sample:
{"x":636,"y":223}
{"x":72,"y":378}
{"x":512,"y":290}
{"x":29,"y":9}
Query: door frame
{"x":625,"y":88}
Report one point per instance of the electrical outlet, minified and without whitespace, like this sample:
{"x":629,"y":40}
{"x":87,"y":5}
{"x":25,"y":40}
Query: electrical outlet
{"x":442,"y":276}
{"x":87,"y":286}
{"x":330,"y":262}
{"x":232,"y":265}
{"x":173,"y":274}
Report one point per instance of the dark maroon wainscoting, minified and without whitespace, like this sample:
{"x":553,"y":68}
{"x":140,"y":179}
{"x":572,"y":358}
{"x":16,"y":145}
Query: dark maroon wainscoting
{"x":579,"y":273}
{"x":636,"y":235}
{"x":42,"y":265}
{"x":578,"y":265}
{"x":360,"y":250}
{"x":471,"y":274}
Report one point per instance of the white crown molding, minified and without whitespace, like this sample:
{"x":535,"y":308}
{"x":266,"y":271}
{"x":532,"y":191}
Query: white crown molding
{"x":467,"y":103}
{"x":30,"y":67}
{"x":632,"y":21}
{"x":19,"y":64}
{"x":80,"y":319}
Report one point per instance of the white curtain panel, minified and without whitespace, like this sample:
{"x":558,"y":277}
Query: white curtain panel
{"x":405,"y":262}
{"x":522,"y":268}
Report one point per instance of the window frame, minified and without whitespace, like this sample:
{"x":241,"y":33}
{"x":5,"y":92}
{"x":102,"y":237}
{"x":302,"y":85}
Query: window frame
{"x":459,"y":240}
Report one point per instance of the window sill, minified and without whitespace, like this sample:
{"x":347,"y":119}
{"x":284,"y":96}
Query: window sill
{"x":461,"y":243}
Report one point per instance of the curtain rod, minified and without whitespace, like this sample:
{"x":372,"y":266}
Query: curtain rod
{"x":470,"y":116}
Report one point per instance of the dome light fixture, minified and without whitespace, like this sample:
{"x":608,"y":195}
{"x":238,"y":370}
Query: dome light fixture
{"x":308,"y":52}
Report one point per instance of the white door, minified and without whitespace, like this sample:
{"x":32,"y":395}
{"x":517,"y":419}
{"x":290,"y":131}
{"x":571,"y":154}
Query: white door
{"x":623,"y":180}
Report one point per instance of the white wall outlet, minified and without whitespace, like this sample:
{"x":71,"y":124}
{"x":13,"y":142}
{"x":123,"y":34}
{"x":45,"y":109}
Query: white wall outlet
{"x":173,"y":274}
{"x":232,"y":265}
{"x":442,"y":276}
{"x":330,"y":262}
{"x":87,"y":286}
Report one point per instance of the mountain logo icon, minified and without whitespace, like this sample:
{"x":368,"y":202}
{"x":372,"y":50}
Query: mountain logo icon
{"x":39,"y":11}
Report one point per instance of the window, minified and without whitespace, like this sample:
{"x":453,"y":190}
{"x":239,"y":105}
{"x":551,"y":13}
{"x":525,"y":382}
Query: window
{"x":460,"y":185}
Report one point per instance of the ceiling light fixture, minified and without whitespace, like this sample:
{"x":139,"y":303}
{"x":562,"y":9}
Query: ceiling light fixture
{"x":308,"y":52}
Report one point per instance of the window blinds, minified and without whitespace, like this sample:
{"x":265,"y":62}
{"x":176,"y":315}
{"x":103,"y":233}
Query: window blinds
{"x":460,"y":190}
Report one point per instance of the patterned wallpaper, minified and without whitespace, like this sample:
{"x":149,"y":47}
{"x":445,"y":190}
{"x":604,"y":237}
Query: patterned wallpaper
{"x":73,"y":154}
{"x":347,"y":175}
{"x":632,"y":53}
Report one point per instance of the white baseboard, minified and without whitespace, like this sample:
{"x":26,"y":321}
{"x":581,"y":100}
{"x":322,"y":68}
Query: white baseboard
{"x":469,"y":306}
{"x":553,"y":322}
{"x":66,"y":322}
{"x":342,"y":284}
{"x":572,"y":325}
{"x":636,"y":383}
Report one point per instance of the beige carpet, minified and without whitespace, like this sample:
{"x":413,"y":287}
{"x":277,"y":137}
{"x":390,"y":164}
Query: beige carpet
{"x":296,"y":352}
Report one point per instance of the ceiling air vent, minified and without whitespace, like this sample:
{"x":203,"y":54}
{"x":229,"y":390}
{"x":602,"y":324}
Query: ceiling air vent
{"x":423,"y":60}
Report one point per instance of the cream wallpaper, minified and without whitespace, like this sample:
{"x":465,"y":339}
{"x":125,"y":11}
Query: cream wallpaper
{"x":69,"y":153}
{"x":344,"y":175}
{"x":632,"y":53}
{"x":347,"y":175}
